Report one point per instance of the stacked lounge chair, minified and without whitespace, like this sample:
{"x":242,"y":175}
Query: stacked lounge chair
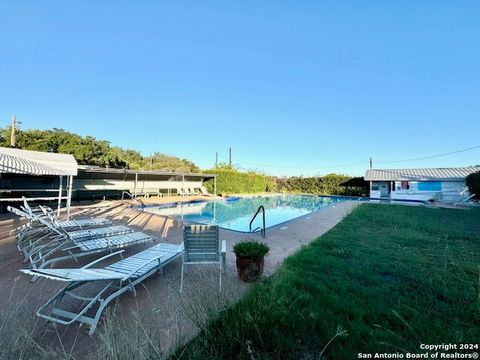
{"x":45,"y":211}
{"x":75,"y":302}
{"x":45,"y":242}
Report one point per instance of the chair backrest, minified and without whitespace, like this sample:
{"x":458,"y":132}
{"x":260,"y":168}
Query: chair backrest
{"x":201,"y":243}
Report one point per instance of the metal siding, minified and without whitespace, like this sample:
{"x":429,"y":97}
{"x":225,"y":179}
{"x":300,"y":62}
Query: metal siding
{"x":19,"y":161}
{"x":450,"y":174}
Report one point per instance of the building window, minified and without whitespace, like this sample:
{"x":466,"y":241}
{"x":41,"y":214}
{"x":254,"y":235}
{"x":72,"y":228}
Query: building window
{"x":430,"y":186}
{"x":374,"y":186}
{"x":405,"y":185}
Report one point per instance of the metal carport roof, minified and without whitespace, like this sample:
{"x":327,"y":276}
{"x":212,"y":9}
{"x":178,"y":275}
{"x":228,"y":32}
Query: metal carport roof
{"x":28,"y":162}
{"x":429,"y":174}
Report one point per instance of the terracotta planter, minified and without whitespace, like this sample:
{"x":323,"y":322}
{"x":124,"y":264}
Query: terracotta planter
{"x":249,"y":269}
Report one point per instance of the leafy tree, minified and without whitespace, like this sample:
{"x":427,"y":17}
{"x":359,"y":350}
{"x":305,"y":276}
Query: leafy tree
{"x":90,"y":151}
{"x":473,"y":183}
{"x":171,"y":163}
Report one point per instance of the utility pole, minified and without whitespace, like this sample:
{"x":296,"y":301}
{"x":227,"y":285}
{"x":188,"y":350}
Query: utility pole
{"x":216,"y":159}
{"x":13,"y":135}
{"x":370,"y":163}
{"x":230,"y":157}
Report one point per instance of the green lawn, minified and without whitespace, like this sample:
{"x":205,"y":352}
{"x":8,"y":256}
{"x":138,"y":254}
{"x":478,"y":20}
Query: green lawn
{"x":391,"y":277}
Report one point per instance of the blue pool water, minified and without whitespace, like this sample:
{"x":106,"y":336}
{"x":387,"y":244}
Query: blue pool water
{"x":236,"y":214}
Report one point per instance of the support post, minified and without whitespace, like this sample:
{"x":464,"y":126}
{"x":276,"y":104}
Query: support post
{"x":69,"y":195}
{"x":135,"y":186}
{"x":183,"y":185}
{"x":13,"y":135}
{"x":60,"y":191}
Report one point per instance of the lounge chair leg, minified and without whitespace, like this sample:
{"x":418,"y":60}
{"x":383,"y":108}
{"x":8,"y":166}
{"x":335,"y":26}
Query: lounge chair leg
{"x":96,"y":319}
{"x":181,"y":278}
{"x":220,"y":282}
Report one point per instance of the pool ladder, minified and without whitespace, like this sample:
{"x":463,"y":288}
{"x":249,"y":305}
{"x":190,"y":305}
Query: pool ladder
{"x":262,"y":232}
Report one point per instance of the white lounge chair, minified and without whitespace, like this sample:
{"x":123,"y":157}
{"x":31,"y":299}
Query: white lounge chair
{"x":56,"y":244}
{"x":56,"y":252}
{"x":120,"y":276}
{"x":45,"y":211}
{"x":39,"y":224}
{"x":26,"y":241}
{"x":80,"y":223}
{"x":202,"y":246}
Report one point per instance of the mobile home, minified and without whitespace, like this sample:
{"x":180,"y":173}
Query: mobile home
{"x":444,"y":184}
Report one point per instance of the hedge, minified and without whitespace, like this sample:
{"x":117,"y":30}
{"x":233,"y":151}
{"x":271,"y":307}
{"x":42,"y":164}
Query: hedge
{"x":331,"y":184}
{"x":231,"y":181}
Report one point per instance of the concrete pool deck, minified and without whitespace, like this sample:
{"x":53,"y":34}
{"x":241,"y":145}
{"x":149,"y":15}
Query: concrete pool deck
{"x":159,"y":298}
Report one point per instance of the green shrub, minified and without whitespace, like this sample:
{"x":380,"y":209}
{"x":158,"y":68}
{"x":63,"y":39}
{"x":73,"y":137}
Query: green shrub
{"x":232,"y":181}
{"x":331,"y":184}
{"x":251,"y":249}
{"x":473,"y":183}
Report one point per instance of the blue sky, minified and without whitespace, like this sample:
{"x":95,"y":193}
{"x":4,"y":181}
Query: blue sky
{"x":293,"y":87}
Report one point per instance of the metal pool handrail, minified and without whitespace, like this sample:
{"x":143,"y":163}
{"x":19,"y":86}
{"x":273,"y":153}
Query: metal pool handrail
{"x":263,"y":231}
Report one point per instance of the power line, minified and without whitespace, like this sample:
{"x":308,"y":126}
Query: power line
{"x":431,"y":156}
{"x":299,"y":167}
{"x":358,"y":163}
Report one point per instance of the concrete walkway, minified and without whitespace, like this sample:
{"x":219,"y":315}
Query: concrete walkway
{"x":159,"y":303}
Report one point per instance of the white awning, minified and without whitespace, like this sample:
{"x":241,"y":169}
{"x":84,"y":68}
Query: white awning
{"x":36,"y":162}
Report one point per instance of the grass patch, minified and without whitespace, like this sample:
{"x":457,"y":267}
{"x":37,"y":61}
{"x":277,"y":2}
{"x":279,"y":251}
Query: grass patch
{"x":385,"y":279}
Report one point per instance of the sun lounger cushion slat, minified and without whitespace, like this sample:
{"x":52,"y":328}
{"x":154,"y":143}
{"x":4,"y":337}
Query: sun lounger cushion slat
{"x":83,"y":222}
{"x":70,"y":275}
{"x":100,"y":232}
{"x":116,"y":241}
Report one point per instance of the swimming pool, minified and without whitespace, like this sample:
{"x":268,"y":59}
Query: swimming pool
{"x":235,"y":214}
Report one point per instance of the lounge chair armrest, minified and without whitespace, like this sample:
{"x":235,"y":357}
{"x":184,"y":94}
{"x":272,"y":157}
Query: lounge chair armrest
{"x":126,"y":277}
{"x":25,"y":204}
{"x":224,"y":247}
{"x":102,"y":258}
{"x":71,"y":247}
{"x":181,"y":247}
{"x":223,"y":256}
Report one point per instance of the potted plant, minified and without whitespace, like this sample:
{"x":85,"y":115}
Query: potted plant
{"x":250,"y":259}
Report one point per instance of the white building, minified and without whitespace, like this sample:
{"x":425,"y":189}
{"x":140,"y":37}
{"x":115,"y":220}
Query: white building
{"x":445,"y":184}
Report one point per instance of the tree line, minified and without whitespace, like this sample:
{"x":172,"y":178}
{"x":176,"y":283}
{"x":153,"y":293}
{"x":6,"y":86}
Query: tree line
{"x":88,"y":150}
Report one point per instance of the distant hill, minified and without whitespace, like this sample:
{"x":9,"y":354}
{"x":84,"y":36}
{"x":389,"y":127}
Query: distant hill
{"x":90,"y":151}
